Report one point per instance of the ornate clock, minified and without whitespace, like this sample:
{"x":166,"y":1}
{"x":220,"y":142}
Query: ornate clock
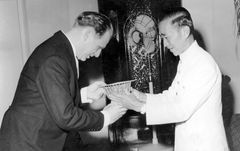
{"x":142,"y":48}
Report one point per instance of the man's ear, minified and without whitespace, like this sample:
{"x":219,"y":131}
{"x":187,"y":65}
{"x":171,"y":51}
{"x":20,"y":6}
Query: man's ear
{"x":87,"y":34}
{"x":186,"y":31}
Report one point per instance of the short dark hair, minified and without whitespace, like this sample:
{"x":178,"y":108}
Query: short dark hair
{"x":180,"y":17}
{"x":98,"y":21}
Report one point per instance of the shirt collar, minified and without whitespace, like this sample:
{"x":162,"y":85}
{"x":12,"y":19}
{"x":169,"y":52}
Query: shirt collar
{"x":188,"y":53}
{"x":73,"y":47}
{"x":74,"y":53}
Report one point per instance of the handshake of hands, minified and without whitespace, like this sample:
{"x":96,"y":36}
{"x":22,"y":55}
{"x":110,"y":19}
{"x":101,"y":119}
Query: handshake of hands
{"x":120,"y":102}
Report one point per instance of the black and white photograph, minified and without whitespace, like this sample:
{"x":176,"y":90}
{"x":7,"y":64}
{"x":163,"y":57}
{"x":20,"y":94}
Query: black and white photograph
{"x":119,"y":75}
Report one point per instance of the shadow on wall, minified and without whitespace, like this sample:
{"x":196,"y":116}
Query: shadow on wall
{"x":227,"y":100}
{"x":231,"y":121}
{"x":197,"y":35}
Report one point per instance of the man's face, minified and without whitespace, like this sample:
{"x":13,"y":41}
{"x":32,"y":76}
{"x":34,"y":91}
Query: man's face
{"x":94,"y":45}
{"x":173,"y":38}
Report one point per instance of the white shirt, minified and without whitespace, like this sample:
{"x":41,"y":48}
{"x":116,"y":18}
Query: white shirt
{"x":193,"y":102}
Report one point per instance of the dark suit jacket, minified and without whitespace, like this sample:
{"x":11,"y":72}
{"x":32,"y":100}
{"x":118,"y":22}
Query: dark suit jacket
{"x":46,"y":103}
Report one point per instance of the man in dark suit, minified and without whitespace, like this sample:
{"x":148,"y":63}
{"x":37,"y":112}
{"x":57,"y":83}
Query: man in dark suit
{"x":47,"y":102}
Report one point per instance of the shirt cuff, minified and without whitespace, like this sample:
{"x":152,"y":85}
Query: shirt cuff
{"x":147,"y":98}
{"x":84,"y":98}
{"x":106,"y":118}
{"x":143,"y":109}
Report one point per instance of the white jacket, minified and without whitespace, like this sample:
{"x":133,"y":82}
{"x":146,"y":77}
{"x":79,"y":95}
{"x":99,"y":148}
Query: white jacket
{"x":193,"y":102}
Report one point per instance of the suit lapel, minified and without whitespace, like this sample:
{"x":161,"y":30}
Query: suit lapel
{"x":65,"y":45}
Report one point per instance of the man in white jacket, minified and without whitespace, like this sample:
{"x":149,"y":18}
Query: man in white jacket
{"x":193,"y":101}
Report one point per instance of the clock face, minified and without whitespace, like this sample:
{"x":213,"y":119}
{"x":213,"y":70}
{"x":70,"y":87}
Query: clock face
{"x":142,"y":34}
{"x":144,"y":24}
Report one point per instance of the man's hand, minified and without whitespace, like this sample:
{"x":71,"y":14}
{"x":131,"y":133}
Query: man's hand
{"x":133,"y":100}
{"x":115,"y":111}
{"x":96,"y":91}
{"x":139,"y":95}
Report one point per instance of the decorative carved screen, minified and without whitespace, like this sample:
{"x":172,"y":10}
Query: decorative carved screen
{"x":141,"y":55}
{"x":142,"y":50}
